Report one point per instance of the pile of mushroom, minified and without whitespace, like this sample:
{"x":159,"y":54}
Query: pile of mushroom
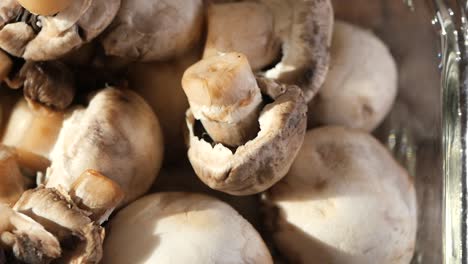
{"x":97,"y":98}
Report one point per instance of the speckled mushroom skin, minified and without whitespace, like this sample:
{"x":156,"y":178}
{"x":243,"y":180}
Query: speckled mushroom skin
{"x":305,"y":28}
{"x":178,"y":227}
{"x":261,"y":162}
{"x":81,"y":22}
{"x":118,"y":135}
{"x":344,"y":201}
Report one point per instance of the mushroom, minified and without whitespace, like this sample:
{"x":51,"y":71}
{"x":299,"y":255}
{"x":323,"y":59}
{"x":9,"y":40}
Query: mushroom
{"x":182,"y":178}
{"x":182,"y":228}
{"x":159,"y":83}
{"x":224,"y":95}
{"x":361,"y":85}
{"x":48,"y":85}
{"x":245,"y":27}
{"x":148,"y":30}
{"x":80,"y":238}
{"x":47,"y":30}
{"x":12,"y":183}
{"x":345,"y":200}
{"x":302,"y":27}
{"x":33,"y":131}
{"x":118,"y":135}
{"x":24,"y":240}
{"x":45,"y":7}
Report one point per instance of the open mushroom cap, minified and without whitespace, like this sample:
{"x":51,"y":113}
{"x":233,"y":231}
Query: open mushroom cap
{"x":361,"y":85}
{"x":262,"y":161}
{"x":345,"y":200}
{"x":118,"y":135}
{"x":80,"y":237}
{"x":48,"y":37}
{"x":27,"y":240}
{"x":305,"y":29}
{"x":149,"y":30}
{"x":182,"y":228}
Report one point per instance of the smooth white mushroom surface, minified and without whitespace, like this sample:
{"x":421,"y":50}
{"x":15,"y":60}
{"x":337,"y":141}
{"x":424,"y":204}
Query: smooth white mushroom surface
{"x":182,"y":228}
{"x":361,"y":84}
{"x":345,"y":200}
{"x":118,"y":135}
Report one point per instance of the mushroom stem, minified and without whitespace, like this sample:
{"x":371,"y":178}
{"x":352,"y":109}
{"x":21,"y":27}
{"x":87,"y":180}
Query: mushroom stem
{"x":96,"y":193}
{"x":223,"y":94}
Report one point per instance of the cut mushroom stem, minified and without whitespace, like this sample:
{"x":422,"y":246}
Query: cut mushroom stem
{"x":45,"y":7}
{"x":97,"y":194}
{"x":223,"y":94}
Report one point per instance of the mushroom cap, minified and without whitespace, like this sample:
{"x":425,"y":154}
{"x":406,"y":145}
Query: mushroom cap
{"x":149,"y":30}
{"x":182,"y":228}
{"x":262,"y":161}
{"x":361,"y":85}
{"x":29,"y":241}
{"x":305,"y":29}
{"x":118,"y":135}
{"x":61,"y":217}
{"x":245,"y":27}
{"x":30,"y":130}
{"x":345,"y":200}
{"x":79,"y":23}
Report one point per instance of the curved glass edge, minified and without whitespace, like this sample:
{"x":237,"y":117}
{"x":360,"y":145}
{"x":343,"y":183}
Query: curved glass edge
{"x":454,"y":128}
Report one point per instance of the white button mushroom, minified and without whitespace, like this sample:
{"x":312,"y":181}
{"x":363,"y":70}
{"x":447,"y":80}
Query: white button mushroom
{"x":118,"y":135}
{"x":225,"y":96}
{"x":182,"y":228}
{"x":361,"y":85}
{"x":27,"y":240}
{"x":51,"y":35}
{"x":245,"y":27}
{"x":182,"y":178}
{"x":149,"y":30}
{"x":345,"y":200}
